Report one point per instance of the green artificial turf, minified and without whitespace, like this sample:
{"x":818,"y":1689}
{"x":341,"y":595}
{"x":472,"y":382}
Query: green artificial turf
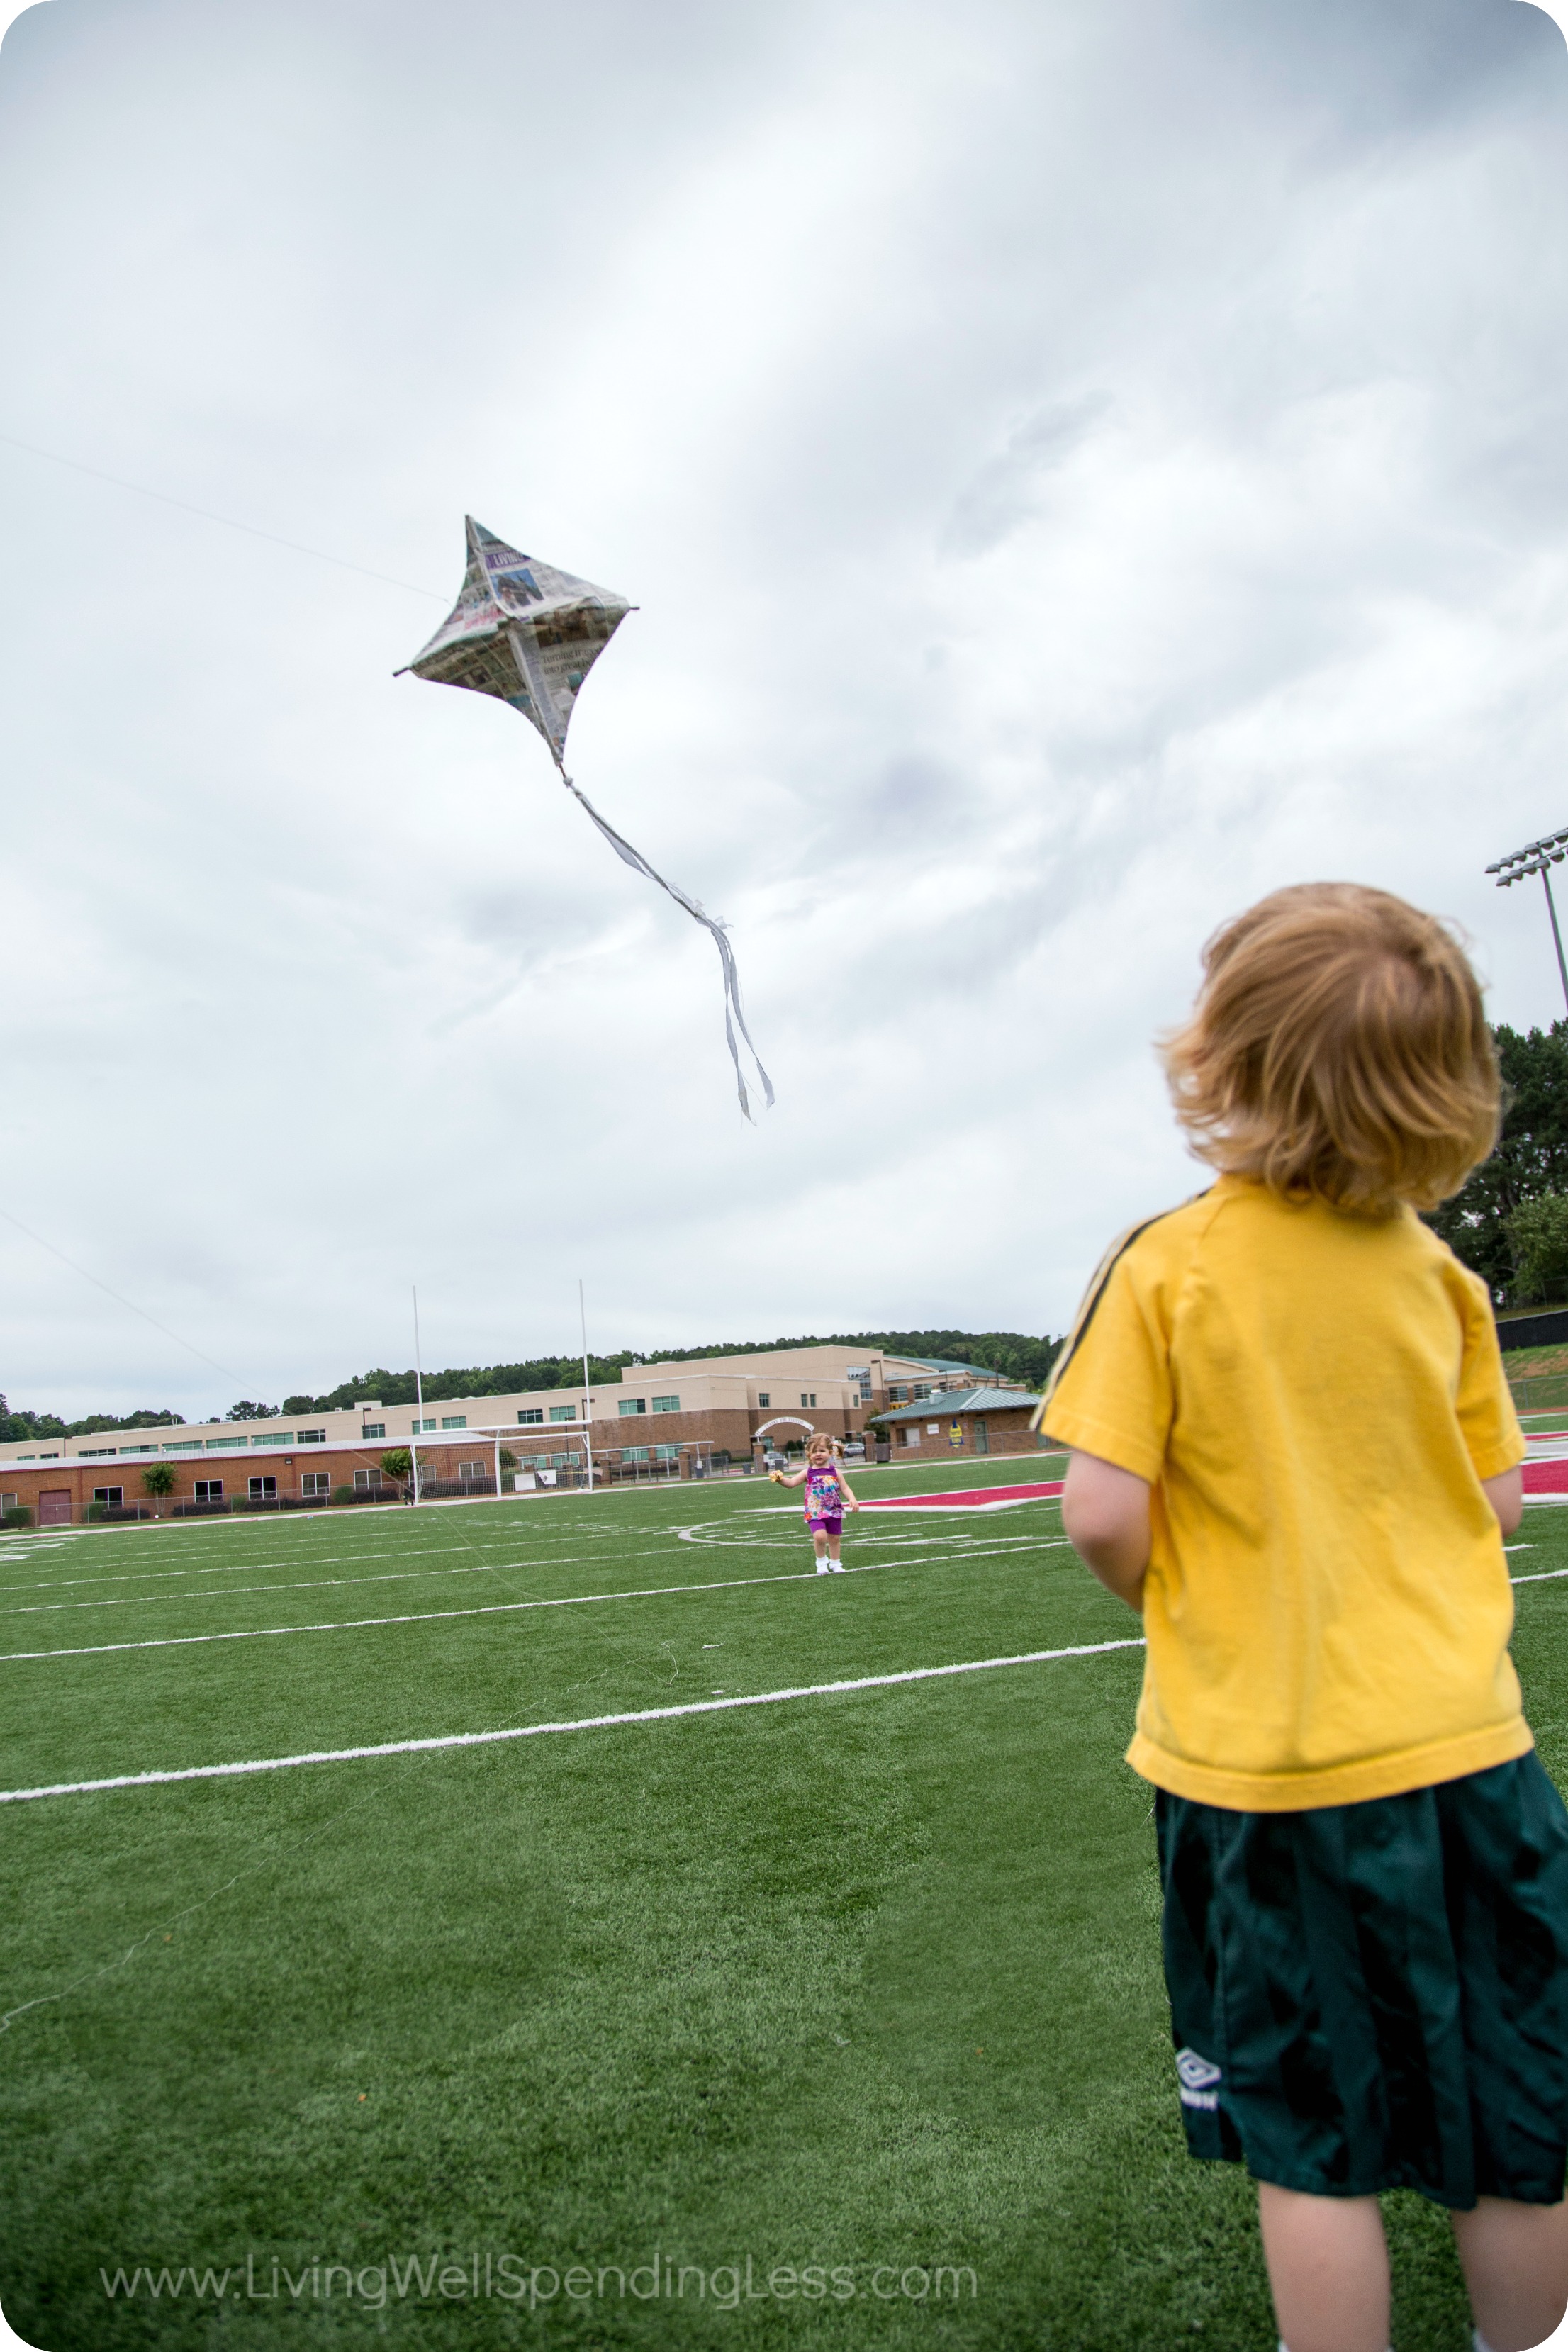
{"x":868,"y":1982}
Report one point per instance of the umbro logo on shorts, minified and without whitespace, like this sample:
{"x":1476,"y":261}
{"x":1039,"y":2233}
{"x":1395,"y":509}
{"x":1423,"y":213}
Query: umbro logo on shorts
{"x":1197,"y":2077}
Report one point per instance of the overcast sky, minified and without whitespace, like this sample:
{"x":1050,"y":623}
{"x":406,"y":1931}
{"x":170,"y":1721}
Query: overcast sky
{"x":1080,"y":464}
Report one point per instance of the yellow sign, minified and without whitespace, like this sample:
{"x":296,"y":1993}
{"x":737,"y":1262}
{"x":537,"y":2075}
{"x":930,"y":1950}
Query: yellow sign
{"x":955,"y":1433}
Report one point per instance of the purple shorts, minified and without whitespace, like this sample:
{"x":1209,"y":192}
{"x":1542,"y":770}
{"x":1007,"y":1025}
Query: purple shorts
{"x":826,"y":1527}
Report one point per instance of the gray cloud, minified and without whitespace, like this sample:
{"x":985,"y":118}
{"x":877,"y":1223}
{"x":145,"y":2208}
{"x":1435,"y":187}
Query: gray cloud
{"x":1077,"y":468}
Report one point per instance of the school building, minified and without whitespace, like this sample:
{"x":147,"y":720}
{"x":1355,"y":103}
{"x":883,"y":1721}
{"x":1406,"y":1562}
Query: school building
{"x":669,"y":1419}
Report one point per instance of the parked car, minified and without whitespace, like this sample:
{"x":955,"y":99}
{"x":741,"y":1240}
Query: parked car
{"x":774,"y":1460}
{"x":854,"y":1449}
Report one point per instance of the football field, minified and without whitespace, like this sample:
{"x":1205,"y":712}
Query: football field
{"x":549,"y":1978}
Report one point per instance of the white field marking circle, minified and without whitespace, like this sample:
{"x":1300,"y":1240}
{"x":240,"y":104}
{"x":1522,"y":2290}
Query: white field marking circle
{"x":537,"y":1730}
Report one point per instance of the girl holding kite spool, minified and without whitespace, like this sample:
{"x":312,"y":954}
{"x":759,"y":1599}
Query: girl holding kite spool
{"x":826,"y":1492}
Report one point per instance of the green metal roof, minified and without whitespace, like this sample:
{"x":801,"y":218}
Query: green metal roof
{"x":962,"y":1400}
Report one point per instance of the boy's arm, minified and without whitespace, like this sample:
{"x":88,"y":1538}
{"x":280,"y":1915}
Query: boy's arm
{"x":1105,"y":1512}
{"x":1505,"y":1493}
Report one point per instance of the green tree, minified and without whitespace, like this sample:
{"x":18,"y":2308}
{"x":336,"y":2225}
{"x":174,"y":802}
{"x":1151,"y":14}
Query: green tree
{"x":1538,"y":1230}
{"x":1530,"y":1159}
{"x":158,"y":1478}
{"x":396,"y":1462}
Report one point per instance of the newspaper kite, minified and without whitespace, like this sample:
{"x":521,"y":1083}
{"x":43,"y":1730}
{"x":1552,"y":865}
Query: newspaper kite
{"x":530,"y":635}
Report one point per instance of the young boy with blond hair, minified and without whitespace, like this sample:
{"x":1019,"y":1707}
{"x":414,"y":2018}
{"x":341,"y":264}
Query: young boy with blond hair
{"x":1294,"y":1452}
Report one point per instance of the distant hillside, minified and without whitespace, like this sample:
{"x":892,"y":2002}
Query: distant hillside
{"x":1015,"y":1354}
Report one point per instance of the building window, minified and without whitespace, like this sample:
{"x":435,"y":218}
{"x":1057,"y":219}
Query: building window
{"x":96,"y":1453}
{"x":451,"y":1421}
{"x":183,"y":1446}
{"x":263,"y":1490}
{"x":364,"y":1479}
{"x":563,"y":1413}
{"x":209,"y":1490}
{"x":912,"y":1437}
{"x":373,"y":1429}
{"x":474,"y":1469}
{"x":666,"y":1404}
{"x":632,"y":1405}
{"x":213,"y":1444}
{"x":634,"y":1454}
{"x":531,"y":1413}
{"x":764,"y":1399}
{"x":8,"y":1502}
{"x":312,"y":1437}
{"x":421,"y":1426}
{"x":317,"y":1484}
{"x":667,"y":1453}
{"x":809,"y":1400}
{"x":114,"y":1496}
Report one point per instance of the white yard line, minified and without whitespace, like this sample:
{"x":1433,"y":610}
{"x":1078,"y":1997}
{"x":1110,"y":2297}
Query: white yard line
{"x":418,"y":1617}
{"x":439,"y":1616}
{"x":306,"y":1584}
{"x":537,"y":1730}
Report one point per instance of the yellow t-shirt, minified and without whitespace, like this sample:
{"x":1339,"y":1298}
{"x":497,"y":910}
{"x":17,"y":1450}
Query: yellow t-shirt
{"x":1314,"y":1399}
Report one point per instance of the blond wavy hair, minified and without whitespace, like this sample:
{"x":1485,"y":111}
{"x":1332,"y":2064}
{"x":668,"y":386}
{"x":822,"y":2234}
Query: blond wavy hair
{"x":1338,"y":1051}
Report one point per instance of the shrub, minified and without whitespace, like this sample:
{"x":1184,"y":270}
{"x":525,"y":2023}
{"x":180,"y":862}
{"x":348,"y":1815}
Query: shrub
{"x":508,"y":1458}
{"x":397,"y":1463}
{"x":342,"y":1494}
{"x":158,"y":1478}
{"x":20,"y":1515}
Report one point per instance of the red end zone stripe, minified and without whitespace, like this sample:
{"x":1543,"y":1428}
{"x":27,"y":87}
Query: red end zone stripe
{"x":1546,"y":1477}
{"x":972,"y":1498}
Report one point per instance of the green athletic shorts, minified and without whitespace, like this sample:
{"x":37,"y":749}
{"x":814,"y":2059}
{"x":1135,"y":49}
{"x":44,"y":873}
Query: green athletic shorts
{"x":1375,"y":1996}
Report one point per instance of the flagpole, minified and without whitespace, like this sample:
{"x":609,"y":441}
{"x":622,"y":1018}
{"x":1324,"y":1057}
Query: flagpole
{"x":588,"y":1400}
{"x":419,"y":1392}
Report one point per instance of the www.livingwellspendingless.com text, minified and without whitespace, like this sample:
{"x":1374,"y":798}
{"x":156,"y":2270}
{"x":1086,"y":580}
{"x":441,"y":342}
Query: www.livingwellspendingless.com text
{"x":485,"y":2275}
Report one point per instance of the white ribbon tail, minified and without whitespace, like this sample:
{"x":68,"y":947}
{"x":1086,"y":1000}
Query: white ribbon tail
{"x":734,"y":1018}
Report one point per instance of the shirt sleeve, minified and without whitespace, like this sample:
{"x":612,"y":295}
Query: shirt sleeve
{"x":1110,"y":1393}
{"x":1489,"y":1424}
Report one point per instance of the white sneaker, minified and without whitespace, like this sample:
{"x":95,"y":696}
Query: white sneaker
{"x":822,"y":1568}
{"x":837,"y":1567}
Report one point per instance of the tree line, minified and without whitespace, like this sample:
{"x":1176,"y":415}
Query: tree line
{"x":1511,"y":1222}
{"x":1014,"y":1354}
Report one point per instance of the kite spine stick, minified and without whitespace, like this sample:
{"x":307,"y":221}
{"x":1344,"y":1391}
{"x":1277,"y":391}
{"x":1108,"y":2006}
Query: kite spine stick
{"x":734,"y":1018}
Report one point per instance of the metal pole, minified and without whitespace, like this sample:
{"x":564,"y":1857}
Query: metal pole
{"x":588,"y":1400}
{"x":1556,"y":934}
{"x":418,"y":1391}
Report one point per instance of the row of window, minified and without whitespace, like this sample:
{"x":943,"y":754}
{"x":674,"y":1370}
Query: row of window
{"x":630,"y":1405}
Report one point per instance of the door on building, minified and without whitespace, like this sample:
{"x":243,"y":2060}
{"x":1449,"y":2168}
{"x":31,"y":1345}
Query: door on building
{"x":55,"y":1508}
{"x":982,"y":1438}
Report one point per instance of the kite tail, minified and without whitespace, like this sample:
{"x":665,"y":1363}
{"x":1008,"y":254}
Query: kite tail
{"x":733,"y":1017}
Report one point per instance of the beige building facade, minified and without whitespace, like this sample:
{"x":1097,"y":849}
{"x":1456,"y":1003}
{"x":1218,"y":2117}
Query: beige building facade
{"x":668,"y":1419}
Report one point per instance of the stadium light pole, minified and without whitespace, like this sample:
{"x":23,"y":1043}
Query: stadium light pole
{"x":1539,"y":857}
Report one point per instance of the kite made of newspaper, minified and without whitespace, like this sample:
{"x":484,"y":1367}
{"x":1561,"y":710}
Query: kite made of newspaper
{"x":528,"y":633}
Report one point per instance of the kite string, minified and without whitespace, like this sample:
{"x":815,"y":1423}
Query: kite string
{"x":711,"y":923}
